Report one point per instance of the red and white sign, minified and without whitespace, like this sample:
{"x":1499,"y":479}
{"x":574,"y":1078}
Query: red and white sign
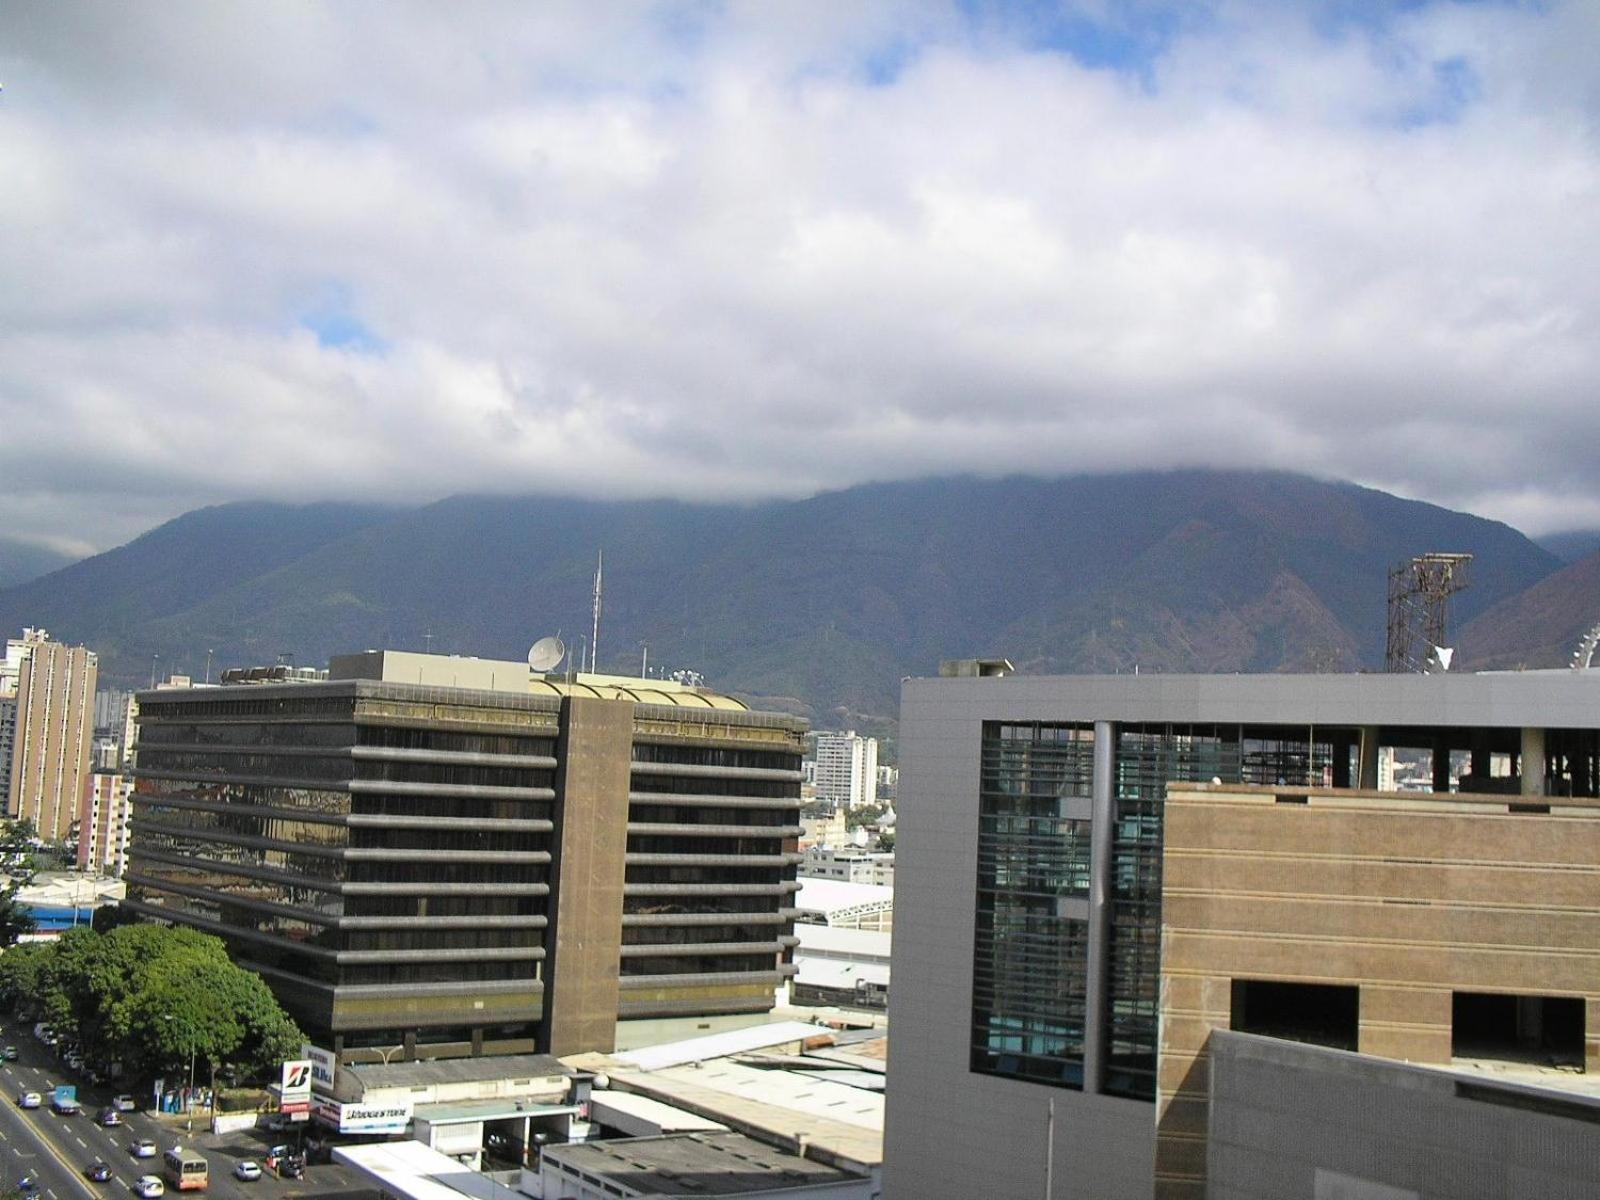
{"x":294,"y":1096}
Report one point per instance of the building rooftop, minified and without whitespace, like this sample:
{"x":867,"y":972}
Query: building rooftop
{"x":1555,"y":699}
{"x":373,"y":1076}
{"x":695,"y":1164}
{"x":719,"y":1045}
{"x":826,"y":896}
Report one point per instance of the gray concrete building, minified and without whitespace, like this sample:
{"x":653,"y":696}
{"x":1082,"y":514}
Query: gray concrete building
{"x":1027,"y":953}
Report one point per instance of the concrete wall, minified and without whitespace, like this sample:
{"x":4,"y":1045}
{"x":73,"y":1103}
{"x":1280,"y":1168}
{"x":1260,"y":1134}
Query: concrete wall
{"x":949,"y":1132}
{"x":586,"y":875}
{"x":1290,"y":1121}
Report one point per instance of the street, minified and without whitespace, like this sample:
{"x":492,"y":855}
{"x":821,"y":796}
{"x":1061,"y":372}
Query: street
{"x":56,"y":1150}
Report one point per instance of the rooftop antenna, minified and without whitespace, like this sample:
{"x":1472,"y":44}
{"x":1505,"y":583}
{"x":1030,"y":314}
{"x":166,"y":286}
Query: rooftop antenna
{"x":546,"y":654}
{"x":594,"y":640}
{"x":427,"y":641}
{"x":1583,"y":656}
{"x":1419,"y":609}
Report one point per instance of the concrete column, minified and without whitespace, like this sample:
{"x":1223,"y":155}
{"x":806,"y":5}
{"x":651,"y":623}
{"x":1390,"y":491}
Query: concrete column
{"x":1441,"y":765}
{"x":583,"y":943}
{"x":1530,"y":765}
{"x":1100,"y":831}
{"x":1368,"y":777}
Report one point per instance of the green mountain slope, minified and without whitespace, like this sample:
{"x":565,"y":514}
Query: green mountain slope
{"x":817,"y":606}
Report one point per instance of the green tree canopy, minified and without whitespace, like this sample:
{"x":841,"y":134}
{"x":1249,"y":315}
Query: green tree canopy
{"x":151,"y":998}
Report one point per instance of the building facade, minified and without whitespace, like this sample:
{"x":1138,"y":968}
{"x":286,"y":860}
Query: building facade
{"x":453,"y":870}
{"x":103,"y":823}
{"x":1027,"y":955}
{"x":52,"y":731}
{"x":1453,"y":931}
{"x":847,"y":769}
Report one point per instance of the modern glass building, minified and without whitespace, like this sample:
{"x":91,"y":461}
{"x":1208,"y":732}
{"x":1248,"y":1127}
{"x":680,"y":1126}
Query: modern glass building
{"x":446,"y":870}
{"x":1027,"y":952}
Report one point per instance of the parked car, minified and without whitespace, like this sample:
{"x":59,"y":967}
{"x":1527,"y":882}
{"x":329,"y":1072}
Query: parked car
{"x":142,"y":1148}
{"x":123,"y":1103}
{"x":29,"y":1100}
{"x":110,"y":1118}
{"x":279,"y":1123}
{"x":28,"y":1184}
{"x":99,"y":1170}
{"x":149,"y":1187}
{"x":248,"y":1171}
{"x":11,"y":1054}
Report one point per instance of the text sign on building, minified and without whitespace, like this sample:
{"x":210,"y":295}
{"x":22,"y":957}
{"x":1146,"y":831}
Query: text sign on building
{"x":364,"y":1118}
{"x":295,"y":1093}
{"x":323,"y":1065}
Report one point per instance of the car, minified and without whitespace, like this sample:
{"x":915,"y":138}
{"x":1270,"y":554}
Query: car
{"x":28,"y":1184}
{"x":142,"y":1148}
{"x":123,"y":1103}
{"x":149,"y":1187}
{"x":247,"y":1170}
{"x":293,"y":1166}
{"x":110,"y":1118}
{"x":279,"y":1123}
{"x":99,"y":1170}
{"x":11,"y":1054}
{"x":29,"y":1100}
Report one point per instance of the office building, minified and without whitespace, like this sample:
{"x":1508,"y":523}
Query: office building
{"x":1027,"y":954}
{"x":1454,"y":931}
{"x":847,"y":769}
{"x":437,"y":856}
{"x":53,"y":728}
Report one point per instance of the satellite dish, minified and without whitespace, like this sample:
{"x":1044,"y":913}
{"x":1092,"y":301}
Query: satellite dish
{"x":546,"y":654}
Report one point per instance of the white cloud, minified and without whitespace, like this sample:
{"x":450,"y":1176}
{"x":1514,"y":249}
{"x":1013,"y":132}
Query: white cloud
{"x":752,"y":250}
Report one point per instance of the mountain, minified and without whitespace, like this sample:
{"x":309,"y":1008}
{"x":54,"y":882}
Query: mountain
{"x":22,"y":561}
{"x":1569,"y":547}
{"x":817,"y":606}
{"x":1538,"y":627}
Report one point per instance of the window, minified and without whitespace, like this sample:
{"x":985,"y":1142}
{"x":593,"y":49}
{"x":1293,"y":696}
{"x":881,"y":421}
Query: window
{"x":1544,"y":1030}
{"x":1322,"y":1014}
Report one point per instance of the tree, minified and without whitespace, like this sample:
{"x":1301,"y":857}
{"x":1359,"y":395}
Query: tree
{"x":151,"y":998}
{"x":18,"y":843}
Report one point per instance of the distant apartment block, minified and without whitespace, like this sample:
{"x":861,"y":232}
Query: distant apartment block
{"x":847,"y":769}
{"x":825,"y":830}
{"x":429,"y":856}
{"x":850,"y":865}
{"x":103,"y":824}
{"x":53,"y":728}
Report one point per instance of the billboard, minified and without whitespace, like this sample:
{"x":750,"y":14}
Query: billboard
{"x":323,"y":1066}
{"x":364,"y":1118}
{"x":294,"y":1095}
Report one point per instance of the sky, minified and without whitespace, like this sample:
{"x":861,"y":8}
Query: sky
{"x":734,"y":251}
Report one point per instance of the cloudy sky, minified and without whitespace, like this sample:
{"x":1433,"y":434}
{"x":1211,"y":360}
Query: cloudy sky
{"x":730,"y":251}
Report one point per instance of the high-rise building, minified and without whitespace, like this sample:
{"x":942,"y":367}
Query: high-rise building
{"x":847,"y":769}
{"x":444,"y":856}
{"x":1028,"y":945}
{"x":103,"y":823}
{"x":54,"y":726}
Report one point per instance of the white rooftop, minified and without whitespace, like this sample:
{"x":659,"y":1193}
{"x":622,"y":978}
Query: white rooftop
{"x":834,"y":895}
{"x":718,"y":1045}
{"x":835,"y":942}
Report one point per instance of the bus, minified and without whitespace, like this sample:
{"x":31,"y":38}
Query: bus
{"x":186,"y":1170}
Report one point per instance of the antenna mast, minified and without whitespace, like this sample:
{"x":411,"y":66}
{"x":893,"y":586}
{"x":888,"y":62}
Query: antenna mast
{"x":594,"y":639}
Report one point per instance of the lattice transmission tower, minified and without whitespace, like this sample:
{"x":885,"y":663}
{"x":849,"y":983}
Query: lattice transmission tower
{"x":1419,"y":611}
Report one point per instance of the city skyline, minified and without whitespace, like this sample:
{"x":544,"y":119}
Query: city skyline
{"x":738,"y":252}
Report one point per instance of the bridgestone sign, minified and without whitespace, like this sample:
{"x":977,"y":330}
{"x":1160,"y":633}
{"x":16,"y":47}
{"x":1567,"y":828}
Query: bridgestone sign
{"x":295,"y":1092}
